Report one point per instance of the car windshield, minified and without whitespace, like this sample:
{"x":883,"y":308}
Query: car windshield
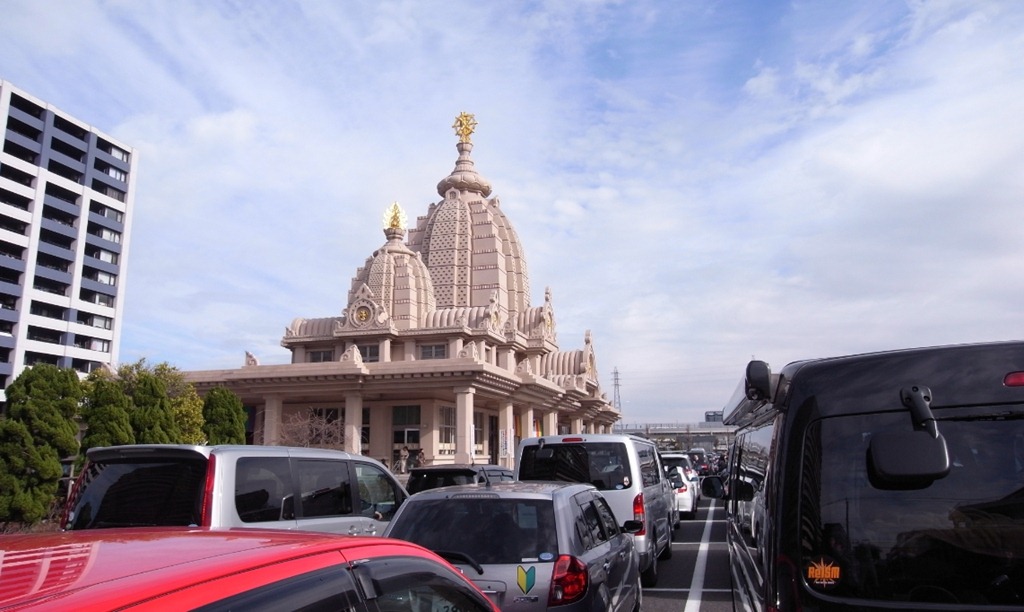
{"x":959,"y":540}
{"x":491,"y":530}
{"x":136,"y":493}
{"x":602,"y":464}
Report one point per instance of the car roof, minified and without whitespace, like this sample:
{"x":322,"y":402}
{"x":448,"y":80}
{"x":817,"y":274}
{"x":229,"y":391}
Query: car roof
{"x":111,"y":452}
{"x":454,"y":467}
{"x":106,"y":565}
{"x":509,"y":489}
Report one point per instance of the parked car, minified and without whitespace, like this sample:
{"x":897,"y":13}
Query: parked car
{"x":884,"y":481}
{"x":686,"y":489}
{"x":626,"y":469}
{"x":233,"y":486}
{"x":433,"y":476}
{"x":528,"y":545}
{"x":174,"y":568}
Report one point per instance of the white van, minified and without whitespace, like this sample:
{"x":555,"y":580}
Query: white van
{"x":626,"y":470}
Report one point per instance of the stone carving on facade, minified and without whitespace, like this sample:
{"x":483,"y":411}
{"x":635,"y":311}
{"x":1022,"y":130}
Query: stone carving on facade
{"x":250,"y":359}
{"x":352,"y":355}
{"x":470,"y":351}
{"x":493,"y":321}
{"x":524,"y":367}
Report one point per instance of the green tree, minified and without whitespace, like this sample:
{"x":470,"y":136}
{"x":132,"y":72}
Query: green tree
{"x":28,"y":476}
{"x":225,"y":417}
{"x":185,"y":404}
{"x":40,"y":429}
{"x":151,"y":416}
{"x":105,"y":414}
{"x":187,"y":409}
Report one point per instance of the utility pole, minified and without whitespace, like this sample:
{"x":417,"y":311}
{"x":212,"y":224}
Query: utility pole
{"x":616,"y":401}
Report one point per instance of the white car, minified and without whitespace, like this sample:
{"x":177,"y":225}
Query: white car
{"x":687,"y":495}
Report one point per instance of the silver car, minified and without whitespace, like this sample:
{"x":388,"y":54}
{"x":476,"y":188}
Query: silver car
{"x":530,"y":545}
{"x":272,"y":487}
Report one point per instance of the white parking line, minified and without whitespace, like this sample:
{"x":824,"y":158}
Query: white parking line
{"x":697,"y":584}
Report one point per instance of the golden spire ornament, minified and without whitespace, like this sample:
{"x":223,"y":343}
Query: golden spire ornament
{"x":394,"y":217}
{"x":465,"y":125}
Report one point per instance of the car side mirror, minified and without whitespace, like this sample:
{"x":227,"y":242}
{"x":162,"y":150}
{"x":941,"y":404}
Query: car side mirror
{"x":713,"y":487}
{"x":632,"y":526}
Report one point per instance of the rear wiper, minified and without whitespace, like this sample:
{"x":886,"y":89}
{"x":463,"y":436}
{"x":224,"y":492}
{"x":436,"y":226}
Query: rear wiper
{"x":454,"y":555}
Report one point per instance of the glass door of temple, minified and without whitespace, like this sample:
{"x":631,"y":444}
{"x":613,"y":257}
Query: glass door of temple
{"x":405,"y":444}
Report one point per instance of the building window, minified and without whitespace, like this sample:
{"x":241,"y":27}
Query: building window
{"x":433,"y":351}
{"x":405,"y":415}
{"x":478,"y":433}
{"x":370,"y":352}
{"x":106,"y":211}
{"x":319,"y":356}
{"x":447,"y":430}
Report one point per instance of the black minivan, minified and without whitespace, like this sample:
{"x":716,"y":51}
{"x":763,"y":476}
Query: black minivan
{"x":890,"y":480}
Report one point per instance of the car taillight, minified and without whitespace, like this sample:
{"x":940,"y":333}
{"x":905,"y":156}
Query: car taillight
{"x":681,"y":489}
{"x":1014,"y":379}
{"x":206,"y":515}
{"x":569,"y":581}
{"x":638,"y":513}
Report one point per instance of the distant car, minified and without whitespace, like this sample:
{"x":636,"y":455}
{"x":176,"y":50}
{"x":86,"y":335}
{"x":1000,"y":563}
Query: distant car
{"x":530,"y":545}
{"x":699,"y":458}
{"x":687,"y":487}
{"x":174,"y":568}
{"x":434,"y":476}
{"x":233,"y":486}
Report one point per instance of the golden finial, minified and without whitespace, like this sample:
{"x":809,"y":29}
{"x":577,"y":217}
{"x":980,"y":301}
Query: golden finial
{"x":464,"y":125}
{"x":394,"y":217}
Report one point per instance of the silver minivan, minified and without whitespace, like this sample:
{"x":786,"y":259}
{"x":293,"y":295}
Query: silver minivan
{"x":233,"y":486}
{"x":626,"y":469}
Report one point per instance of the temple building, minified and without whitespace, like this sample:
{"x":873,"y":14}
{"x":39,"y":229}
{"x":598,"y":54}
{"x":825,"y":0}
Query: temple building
{"x":438,"y":348}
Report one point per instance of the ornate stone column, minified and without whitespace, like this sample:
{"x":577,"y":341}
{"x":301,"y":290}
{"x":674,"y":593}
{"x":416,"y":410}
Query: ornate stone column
{"x":353,"y":423}
{"x":464,"y":424}
{"x":272,"y":419}
{"x":550,"y":424}
{"x":506,"y":435}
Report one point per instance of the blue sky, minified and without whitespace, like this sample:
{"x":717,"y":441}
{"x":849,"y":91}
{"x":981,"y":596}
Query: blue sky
{"x":697,"y":182}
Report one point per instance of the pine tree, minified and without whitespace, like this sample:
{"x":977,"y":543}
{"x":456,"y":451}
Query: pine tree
{"x":225,"y":417}
{"x":39,"y":430}
{"x":151,"y":416}
{"x":105,"y":414}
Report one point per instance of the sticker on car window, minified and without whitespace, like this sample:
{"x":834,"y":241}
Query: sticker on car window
{"x":823,"y":573}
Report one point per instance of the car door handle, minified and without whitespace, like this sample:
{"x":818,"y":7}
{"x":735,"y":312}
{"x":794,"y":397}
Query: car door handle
{"x":607,"y":565}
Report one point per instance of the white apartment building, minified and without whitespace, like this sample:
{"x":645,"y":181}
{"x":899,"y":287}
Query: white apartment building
{"x":66,"y":194}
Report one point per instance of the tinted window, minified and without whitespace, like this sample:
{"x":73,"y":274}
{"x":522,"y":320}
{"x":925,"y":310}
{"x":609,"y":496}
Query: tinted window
{"x":603,"y":464}
{"x":650,"y":472}
{"x":400,"y":584}
{"x":263,"y":485}
{"x":325,"y":488}
{"x":421,"y":481}
{"x":378,"y":495}
{"x":330,"y":589}
{"x":959,"y":540}
{"x":127,"y":493}
{"x":490,"y":529}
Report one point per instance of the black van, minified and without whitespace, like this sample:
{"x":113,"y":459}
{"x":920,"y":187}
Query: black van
{"x":880,"y":481}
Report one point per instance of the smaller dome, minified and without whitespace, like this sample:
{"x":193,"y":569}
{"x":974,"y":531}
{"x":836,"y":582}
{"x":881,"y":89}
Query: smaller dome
{"x":398,"y":281}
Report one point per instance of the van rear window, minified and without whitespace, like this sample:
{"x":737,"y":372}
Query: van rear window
{"x":139,"y":493}
{"x":602,"y":464}
{"x":959,"y":540}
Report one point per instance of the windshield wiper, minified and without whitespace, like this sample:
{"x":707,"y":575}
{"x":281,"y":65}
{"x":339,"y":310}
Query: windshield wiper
{"x":454,"y":555}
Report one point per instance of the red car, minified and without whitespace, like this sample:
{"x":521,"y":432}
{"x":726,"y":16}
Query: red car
{"x":171,"y":568}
